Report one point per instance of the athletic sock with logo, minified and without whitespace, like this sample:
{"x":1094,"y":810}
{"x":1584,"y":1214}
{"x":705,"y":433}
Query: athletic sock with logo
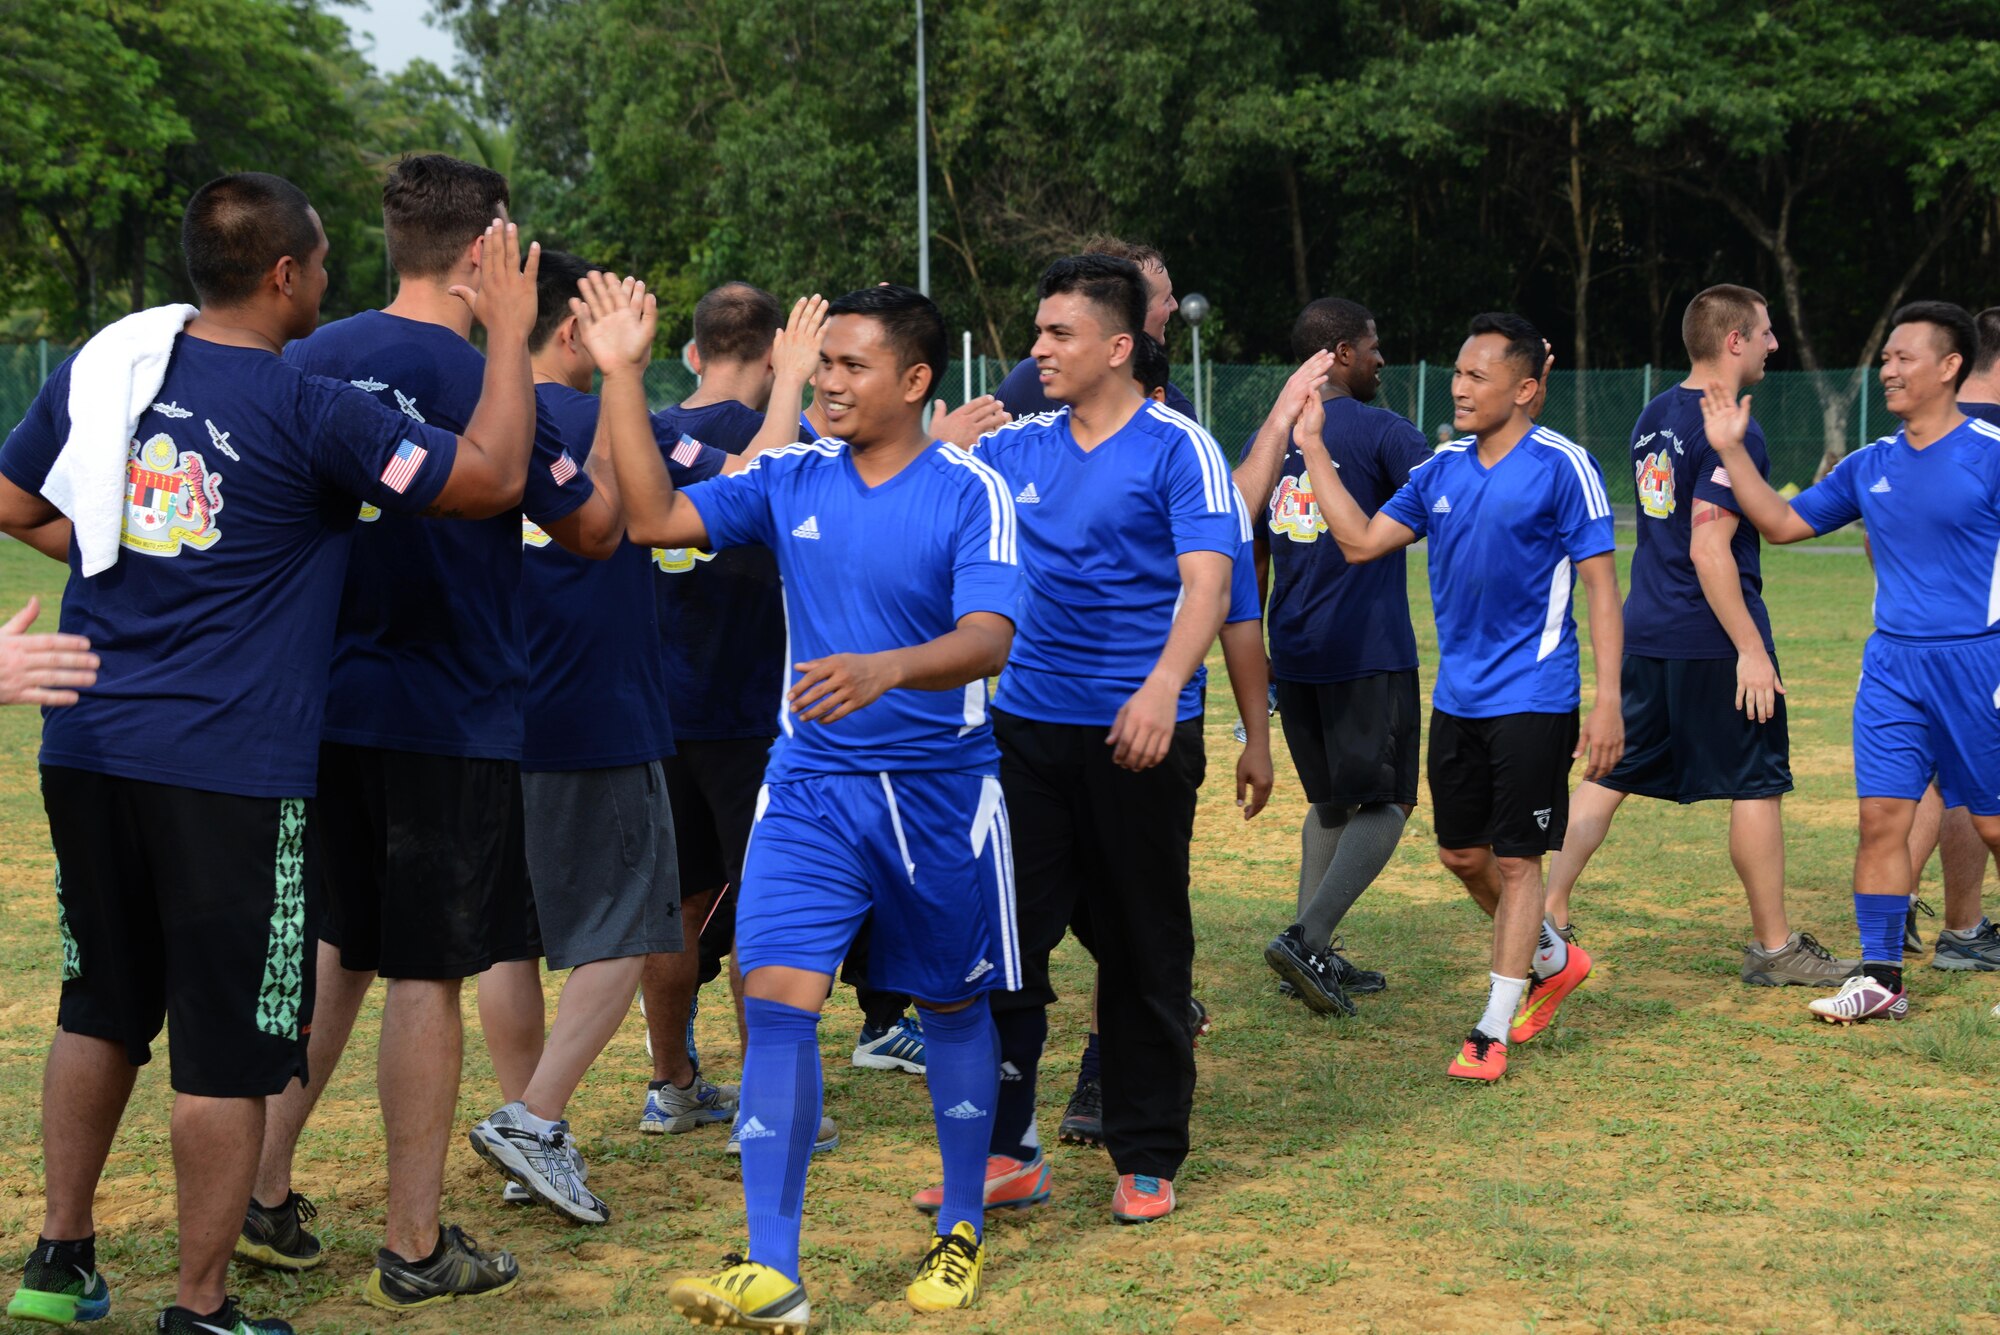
{"x":1501,"y":1004}
{"x":1552,"y":954}
{"x":1021,"y":1036}
{"x":962,"y":1067}
{"x":779,"y":1119}
{"x":1881,"y":918}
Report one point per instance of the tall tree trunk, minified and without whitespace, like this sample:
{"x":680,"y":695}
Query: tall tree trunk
{"x":1583,"y":235}
{"x":1301,"y":283}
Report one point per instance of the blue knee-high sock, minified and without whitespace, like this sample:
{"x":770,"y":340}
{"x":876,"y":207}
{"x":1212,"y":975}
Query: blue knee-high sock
{"x":1880,"y":918}
{"x":1022,"y":1034}
{"x":962,"y":1066}
{"x":779,"y":1119}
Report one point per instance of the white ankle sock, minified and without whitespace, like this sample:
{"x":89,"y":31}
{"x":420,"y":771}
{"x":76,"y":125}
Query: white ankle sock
{"x":539,"y":1125}
{"x":1501,"y":1003}
{"x":1553,"y":952}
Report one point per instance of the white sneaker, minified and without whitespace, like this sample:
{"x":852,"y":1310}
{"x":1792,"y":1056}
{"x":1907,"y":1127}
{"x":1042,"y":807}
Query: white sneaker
{"x":1861,"y":998}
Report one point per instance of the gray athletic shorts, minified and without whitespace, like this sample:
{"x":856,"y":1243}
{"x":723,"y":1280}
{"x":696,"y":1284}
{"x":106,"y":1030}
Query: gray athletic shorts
{"x":602,"y":864}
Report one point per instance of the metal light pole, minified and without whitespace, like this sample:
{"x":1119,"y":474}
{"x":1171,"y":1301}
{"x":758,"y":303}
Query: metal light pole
{"x":923,"y":170}
{"x":1194,"y":309}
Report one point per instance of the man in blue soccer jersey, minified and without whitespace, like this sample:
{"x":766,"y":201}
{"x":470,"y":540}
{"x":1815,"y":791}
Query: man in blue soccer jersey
{"x":179,"y":790}
{"x":1025,"y":391}
{"x":1930,"y":674}
{"x":1516,"y":515}
{"x":1704,"y":708}
{"x":901,"y":589}
{"x":1132,"y":525}
{"x":422,"y":852}
{"x":1342,"y":648}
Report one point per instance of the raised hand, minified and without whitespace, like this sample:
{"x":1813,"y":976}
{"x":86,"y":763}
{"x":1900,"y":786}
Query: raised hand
{"x":1724,"y":417}
{"x":616,"y":321}
{"x":504,"y":301}
{"x":1309,"y":423}
{"x":964,"y":425}
{"x":1311,"y":375}
{"x":795,"y":349}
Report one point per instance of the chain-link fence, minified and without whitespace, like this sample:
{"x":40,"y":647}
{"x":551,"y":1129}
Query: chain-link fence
{"x":1801,"y":412}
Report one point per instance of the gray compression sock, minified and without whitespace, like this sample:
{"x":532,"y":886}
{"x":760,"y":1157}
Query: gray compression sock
{"x":1366,"y":845}
{"x":1317,"y":842}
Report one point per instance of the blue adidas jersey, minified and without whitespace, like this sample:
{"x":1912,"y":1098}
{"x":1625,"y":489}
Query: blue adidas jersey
{"x":430,"y":655}
{"x":1666,"y":613}
{"x":1933,"y":520}
{"x":1103,"y":531}
{"x":216,"y":625}
{"x":868,"y":569}
{"x":1504,"y":542}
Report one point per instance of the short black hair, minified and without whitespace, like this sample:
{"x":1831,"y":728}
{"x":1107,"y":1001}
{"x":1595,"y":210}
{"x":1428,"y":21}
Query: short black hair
{"x":556,"y":285}
{"x":237,"y":227}
{"x":1961,"y":335}
{"x":1114,"y":286}
{"x":736,"y":323}
{"x":1525,"y":347}
{"x":433,"y":207}
{"x":1988,"y":324}
{"x":1149,"y":363}
{"x":1326,"y":324}
{"x":911,"y":322}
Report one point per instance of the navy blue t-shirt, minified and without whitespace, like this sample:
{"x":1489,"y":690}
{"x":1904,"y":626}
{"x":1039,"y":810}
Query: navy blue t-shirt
{"x":1666,"y":614}
{"x":430,"y":655}
{"x":1021,"y":393}
{"x":598,"y":691}
{"x":722,"y":614}
{"x":215,"y":627}
{"x":1331,"y":621}
{"x":1985,"y":412}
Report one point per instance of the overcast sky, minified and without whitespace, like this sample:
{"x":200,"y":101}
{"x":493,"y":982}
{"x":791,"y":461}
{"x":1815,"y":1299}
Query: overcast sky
{"x":400,"y":32}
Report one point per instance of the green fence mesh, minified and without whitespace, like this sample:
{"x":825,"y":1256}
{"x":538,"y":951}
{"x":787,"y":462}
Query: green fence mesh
{"x":1801,"y":412}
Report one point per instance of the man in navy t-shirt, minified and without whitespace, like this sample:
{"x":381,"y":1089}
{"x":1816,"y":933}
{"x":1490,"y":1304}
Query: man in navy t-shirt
{"x":1704,"y":708}
{"x":1342,"y":649}
{"x":180,"y":789}
{"x":423,"y":858}
{"x":1515,"y":516}
{"x":1979,"y":396}
{"x":1024,"y":392}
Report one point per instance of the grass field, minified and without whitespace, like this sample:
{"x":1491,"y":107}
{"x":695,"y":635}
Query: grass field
{"x":1681,"y":1153}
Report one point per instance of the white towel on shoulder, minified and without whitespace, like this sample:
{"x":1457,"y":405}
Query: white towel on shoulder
{"x":111,"y":382}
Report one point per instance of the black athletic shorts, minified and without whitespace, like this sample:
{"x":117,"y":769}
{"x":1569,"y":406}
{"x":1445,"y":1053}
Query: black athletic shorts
{"x":712,"y":787}
{"x":188,"y":908}
{"x":1686,"y":741}
{"x":424,"y":862}
{"x":1354,"y":741}
{"x":1501,"y":781}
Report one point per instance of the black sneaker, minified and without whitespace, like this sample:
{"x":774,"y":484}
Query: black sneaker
{"x":1913,"y":940}
{"x":229,"y":1321}
{"x":1354,"y":981}
{"x":275,"y":1237}
{"x":458,"y":1269}
{"x":1083,"y":1120}
{"x":1307,"y":970}
{"x":61,"y":1284}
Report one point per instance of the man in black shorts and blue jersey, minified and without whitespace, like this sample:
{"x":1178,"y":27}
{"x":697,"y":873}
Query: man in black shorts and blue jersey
{"x":180,"y":790}
{"x":1343,"y":652}
{"x":1704,"y":706}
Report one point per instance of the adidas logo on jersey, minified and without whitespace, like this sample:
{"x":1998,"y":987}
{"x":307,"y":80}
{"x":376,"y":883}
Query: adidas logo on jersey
{"x":979,"y":969}
{"x":1881,"y":484}
{"x":965,"y":1112}
{"x":1443,"y":506}
{"x":1028,"y":496}
{"x":754,"y":1130}
{"x":809,"y":529}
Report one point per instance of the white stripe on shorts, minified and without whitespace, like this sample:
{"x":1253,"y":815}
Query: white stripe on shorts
{"x":896,"y":823}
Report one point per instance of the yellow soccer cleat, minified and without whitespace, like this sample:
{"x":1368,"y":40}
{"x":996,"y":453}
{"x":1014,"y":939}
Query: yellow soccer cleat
{"x":743,"y":1296}
{"x":949,"y":1276}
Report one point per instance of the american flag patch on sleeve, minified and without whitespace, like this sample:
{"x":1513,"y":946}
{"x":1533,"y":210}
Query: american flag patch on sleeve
{"x":1720,"y":477}
{"x":403,"y":465}
{"x":687,"y":452}
{"x":563,"y":469}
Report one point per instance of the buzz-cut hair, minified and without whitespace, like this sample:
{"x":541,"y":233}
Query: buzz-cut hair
{"x":1114,"y":286}
{"x":433,"y":207}
{"x":1141,"y":254}
{"x":1956,"y":330}
{"x":237,"y":227}
{"x":1987,"y":322}
{"x":1716,"y":313}
{"x":1524,"y":342}
{"x":736,"y":322}
{"x":555,"y":285}
{"x":911,"y":324}
{"x":1326,"y":324}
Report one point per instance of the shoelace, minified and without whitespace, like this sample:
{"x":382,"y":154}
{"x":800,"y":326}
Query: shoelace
{"x":1482,"y":1043}
{"x":1811,"y":946}
{"x":1144,"y":1185}
{"x":954,"y":1256}
{"x":1918,"y":906}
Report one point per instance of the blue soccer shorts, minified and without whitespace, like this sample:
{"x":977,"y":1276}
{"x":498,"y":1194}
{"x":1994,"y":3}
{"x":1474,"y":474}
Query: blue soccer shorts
{"x":926,"y":852}
{"x":1925,"y":708}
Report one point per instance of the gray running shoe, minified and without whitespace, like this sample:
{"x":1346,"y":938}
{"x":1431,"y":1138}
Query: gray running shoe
{"x":672,"y":1111}
{"x":545,"y":1164}
{"x":513,"y":1193}
{"x":1979,"y":952}
{"x":1307,"y":970}
{"x":458,"y":1270}
{"x":1802,"y":960}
